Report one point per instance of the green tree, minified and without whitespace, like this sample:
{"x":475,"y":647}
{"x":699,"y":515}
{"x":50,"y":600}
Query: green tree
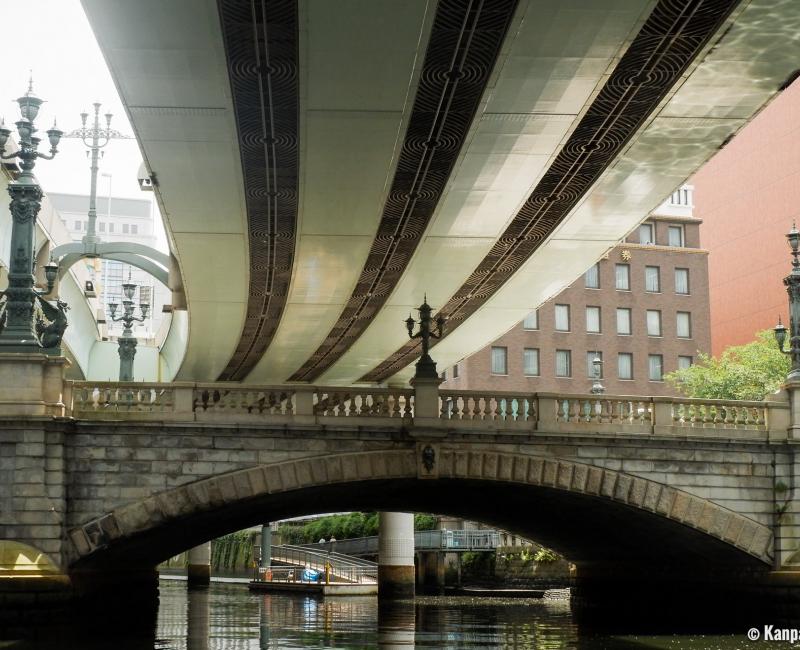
{"x":741,"y":372}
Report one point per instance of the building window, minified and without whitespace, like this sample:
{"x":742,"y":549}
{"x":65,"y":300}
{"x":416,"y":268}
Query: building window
{"x":562,"y":318}
{"x":646,"y":234}
{"x":443,"y":376}
{"x":563,"y":363}
{"x":530,"y":362}
{"x":134,"y":229}
{"x":593,"y":320}
{"x":102,"y":226}
{"x":682,"y":281}
{"x":455,"y":371}
{"x":590,"y":369}
{"x":653,"y":322}
{"x":531,"y":321}
{"x":684,"y":362}
{"x":125,"y":229}
{"x":625,"y":365}
{"x":77,"y":225}
{"x":499,"y":361}
{"x":652,"y":279}
{"x":623,"y":277}
{"x":675,"y":236}
{"x":623,"y":320}
{"x":593,"y":277}
{"x":684,"y":325}
{"x":655,"y":364}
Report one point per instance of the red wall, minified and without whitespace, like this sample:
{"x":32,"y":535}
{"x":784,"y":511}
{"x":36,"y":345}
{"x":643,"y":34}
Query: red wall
{"x":747,"y":196}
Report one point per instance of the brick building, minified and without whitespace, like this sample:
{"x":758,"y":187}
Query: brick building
{"x":643,"y":309}
{"x":747,"y":196}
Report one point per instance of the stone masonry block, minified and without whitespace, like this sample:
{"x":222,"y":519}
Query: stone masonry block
{"x":680,"y":506}
{"x":665,"y":500}
{"x":198,"y":493}
{"x":475,"y":465}
{"x":363,"y":469}
{"x":638,"y":491}
{"x":594,"y":480}
{"x":549,"y":472}
{"x":520,"y":473}
{"x":80,"y":541}
{"x":622,"y":488}
{"x":215,"y":497}
{"x":319,"y":472}
{"x":349,"y":469}
{"x":579,"y":476}
{"x":747,"y":535}
{"x":607,"y":486}
{"x":720,"y":523}
{"x":505,"y":467}
{"x":242,"y":484}
{"x":707,"y":516}
{"x":302,"y":469}
{"x":258,"y":483}
{"x":564,"y":475}
{"x":695,"y":511}
{"x":29,"y":449}
{"x":535,"y":467}
{"x":490,"y":462}
{"x":378,"y":465}
{"x":335,"y":472}
{"x":396,"y":463}
{"x":227,"y":488}
{"x":734,"y":529}
{"x":761,"y":541}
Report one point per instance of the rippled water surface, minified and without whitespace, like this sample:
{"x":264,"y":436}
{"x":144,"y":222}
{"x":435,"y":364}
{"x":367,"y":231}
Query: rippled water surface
{"x":229,"y":617}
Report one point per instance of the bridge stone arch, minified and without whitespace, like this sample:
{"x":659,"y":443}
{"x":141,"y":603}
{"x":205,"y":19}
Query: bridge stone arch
{"x":426,"y":467}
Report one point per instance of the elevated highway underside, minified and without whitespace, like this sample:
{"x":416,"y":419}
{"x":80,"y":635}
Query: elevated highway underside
{"x":322,"y":165}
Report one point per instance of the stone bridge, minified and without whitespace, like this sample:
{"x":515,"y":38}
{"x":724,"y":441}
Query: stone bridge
{"x":105,"y":479}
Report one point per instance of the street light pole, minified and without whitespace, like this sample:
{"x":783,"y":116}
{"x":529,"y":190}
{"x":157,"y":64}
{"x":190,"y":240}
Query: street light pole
{"x":127,"y":342}
{"x":426,"y":367}
{"x":95,"y":138}
{"x":792,"y":284}
{"x":23,"y":327}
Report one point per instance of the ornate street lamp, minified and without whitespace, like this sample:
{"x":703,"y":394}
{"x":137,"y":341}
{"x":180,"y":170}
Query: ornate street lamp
{"x":426,"y":367}
{"x":27,"y":321}
{"x":792,"y":283}
{"x":95,"y":138}
{"x":127,"y":342}
{"x":597,"y":368}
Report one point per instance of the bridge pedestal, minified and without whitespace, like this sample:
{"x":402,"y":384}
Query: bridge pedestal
{"x":198,"y":571}
{"x":395,"y":555}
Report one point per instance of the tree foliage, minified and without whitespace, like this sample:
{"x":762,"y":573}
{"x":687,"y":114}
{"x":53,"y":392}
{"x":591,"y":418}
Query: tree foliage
{"x":741,"y":372}
{"x":345,"y":526}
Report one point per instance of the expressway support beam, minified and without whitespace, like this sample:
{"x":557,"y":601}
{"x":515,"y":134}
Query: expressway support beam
{"x":198,"y":573}
{"x":395,"y":555}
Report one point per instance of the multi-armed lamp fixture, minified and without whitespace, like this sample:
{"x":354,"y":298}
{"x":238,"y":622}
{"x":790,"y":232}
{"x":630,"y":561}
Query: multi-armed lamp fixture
{"x":792,"y":283}
{"x":20,"y":326}
{"x":127,"y":342}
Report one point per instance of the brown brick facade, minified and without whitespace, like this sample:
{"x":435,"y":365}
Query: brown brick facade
{"x":474,"y":372}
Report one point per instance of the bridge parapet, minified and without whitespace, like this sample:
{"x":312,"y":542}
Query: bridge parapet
{"x":487,"y":411}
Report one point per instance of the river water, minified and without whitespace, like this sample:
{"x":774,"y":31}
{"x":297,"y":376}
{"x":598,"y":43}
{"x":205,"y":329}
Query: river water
{"x":229,"y":617}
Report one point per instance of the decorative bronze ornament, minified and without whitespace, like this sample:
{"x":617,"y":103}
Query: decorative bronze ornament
{"x":428,"y":458}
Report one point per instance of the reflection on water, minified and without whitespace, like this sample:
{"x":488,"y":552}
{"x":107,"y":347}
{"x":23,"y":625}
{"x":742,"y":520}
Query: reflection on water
{"x":229,"y":617}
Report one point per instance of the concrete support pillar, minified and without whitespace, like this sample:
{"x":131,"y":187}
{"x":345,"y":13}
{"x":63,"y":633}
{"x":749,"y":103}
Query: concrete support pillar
{"x":198,"y":572}
{"x":395,"y":555}
{"x":197,"y":628}
{"x":266,"y":547}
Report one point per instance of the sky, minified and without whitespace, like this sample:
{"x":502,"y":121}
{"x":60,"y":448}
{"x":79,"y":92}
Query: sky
{"x":69,"y":72}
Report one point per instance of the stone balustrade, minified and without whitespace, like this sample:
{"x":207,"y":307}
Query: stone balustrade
{"x":457,"y":410}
